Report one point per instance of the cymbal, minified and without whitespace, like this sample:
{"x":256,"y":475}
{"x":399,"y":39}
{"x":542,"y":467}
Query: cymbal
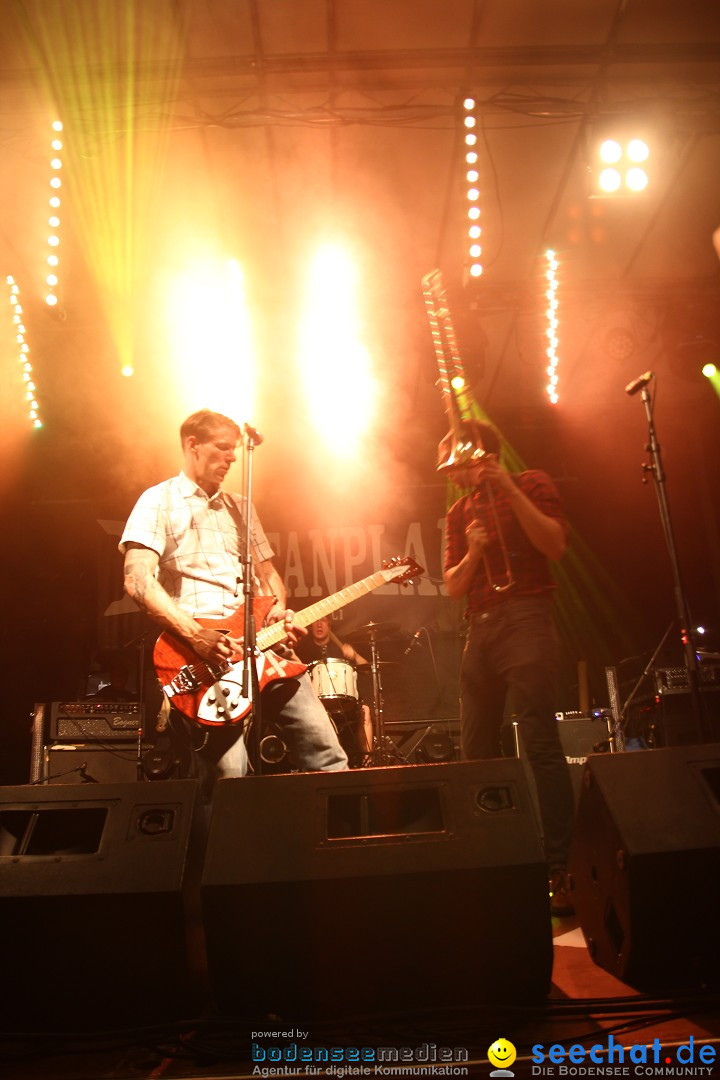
{"x":373,"y":629}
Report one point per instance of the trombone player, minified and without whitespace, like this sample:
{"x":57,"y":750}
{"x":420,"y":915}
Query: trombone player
{"x":499,"y":540}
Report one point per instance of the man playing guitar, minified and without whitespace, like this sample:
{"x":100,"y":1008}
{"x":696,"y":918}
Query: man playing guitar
{"x":183,"y":546}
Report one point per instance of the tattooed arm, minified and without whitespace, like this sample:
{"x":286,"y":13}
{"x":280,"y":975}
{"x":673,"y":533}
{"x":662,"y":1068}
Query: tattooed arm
{"x":141,"y":585}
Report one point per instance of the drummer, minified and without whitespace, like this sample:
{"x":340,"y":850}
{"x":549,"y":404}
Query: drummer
{"x":321,"y":643}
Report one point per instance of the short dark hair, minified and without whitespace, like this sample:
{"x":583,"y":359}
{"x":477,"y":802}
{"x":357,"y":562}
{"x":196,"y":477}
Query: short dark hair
{"x":204,"y":423}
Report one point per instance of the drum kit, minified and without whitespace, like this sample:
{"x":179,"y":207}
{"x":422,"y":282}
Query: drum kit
{"x":336,"y":684}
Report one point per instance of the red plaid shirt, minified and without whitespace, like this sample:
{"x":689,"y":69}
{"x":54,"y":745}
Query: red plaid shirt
{"x":529,"y":566}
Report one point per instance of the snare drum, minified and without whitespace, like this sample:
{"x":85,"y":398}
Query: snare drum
{"x":334,"y":680}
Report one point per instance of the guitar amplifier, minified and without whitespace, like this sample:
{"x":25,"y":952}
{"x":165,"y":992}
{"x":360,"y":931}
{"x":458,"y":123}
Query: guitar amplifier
{"x":581,"y":734}
{"x":87,"y":721}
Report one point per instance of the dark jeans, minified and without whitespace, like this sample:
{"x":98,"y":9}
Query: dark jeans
{"x":513,"y":649}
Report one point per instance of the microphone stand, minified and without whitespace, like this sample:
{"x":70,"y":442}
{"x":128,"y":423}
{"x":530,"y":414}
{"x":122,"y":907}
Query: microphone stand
{"x":683,"y":612}
{"x":250,"y":688}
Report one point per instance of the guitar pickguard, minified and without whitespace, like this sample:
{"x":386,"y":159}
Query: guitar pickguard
{"x":223,"y":703}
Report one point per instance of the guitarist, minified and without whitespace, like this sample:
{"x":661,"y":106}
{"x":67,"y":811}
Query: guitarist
{"x":183,"y":547}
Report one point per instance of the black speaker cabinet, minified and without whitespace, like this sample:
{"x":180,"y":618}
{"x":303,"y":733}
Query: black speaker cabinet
{"x":388,"y":888}
{"x":646,"y":866}
{"x":676,"y":724}
{"x":580,"y":736}
{"x":75,"y":763}
{"x":99,"y":904}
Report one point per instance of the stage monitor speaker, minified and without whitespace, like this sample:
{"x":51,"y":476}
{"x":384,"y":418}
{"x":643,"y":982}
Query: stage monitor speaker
{"x":381,"y":889}
{"x":646,"y":866}
{"x":99,"y":904}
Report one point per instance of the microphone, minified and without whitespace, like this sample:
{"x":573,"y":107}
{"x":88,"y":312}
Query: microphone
{"x":414,"y":640}
{"x":637,"y":384}
{"x":86,"y":777}
{"x":252,"y":433}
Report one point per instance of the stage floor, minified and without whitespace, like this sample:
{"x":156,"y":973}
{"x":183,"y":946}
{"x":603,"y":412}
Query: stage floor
{"x":586,"y":1006}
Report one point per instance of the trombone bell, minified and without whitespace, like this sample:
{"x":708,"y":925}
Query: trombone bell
{"x":456,"y":453}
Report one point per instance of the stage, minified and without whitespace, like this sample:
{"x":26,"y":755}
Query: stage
{"x":585,"y":1005}
{"x":386,"y":921}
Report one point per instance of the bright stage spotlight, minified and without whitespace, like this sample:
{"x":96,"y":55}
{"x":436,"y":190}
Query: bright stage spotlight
{"x":335,"y":366}
{"x":212,"y":357}
{"x":711,"y":373}
{"x":610,"y":152}
{"x":618,"y":164}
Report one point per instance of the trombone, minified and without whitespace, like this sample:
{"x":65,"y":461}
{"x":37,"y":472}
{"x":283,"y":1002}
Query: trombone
{"x":461,"y":448}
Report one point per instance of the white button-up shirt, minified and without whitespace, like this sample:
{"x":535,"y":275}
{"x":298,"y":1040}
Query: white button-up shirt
{"x":200,"y":542}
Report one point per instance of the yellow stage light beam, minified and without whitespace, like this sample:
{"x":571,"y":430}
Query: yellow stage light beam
{"x":712,"y":374}
{"x":335,"y":366}
{"x":91,"y":59}
{"x":210,"y":337}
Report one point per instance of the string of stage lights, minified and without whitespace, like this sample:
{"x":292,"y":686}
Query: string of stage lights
{"x":27,"y":377}
{"x":472,"y":176}
{"x":52,"y":279}
{"x":51,"y":283}
{"x":473,"y":259}
{"x":551,"y":331}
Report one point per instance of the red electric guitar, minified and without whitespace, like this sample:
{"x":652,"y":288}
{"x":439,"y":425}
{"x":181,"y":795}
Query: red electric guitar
{"x":212,"y":693}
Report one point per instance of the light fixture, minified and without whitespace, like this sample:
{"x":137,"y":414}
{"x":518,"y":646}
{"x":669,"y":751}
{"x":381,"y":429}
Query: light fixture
{"x":26,"y":375}
{"x":52,"y":281}
{"x":473,"y":263}
{"x":618,"y":162}
{"x":551,"y":325}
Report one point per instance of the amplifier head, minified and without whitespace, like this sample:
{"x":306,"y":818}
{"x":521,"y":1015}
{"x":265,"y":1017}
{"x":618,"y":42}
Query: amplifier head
{"x":87,"y":720}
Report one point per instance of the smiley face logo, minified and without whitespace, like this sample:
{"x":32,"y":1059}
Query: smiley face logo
{"x":502,"y":1053}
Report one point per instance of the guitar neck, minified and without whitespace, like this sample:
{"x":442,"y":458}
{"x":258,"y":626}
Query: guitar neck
{"x":271,"y":635}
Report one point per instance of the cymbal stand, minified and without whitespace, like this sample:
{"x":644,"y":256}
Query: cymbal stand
{"x":384,"y":748}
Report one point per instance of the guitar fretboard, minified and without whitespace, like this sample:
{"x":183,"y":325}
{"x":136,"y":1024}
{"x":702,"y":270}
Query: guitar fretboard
{"x":270,"y":635}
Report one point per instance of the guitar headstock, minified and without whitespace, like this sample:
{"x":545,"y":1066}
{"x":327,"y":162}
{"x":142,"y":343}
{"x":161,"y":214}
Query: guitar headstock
{"x":401,"y":570}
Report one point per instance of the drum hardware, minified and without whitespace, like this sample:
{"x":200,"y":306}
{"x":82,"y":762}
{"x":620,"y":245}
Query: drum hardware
{"x":379,"y":630}
{"x":272,"y":749}
{"x":334,"y":679}
{"x":436,"y":746}
{"x":384,"y":749}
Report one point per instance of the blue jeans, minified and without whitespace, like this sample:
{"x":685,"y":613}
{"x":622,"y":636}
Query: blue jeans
{"x":512,"y":649}
{"x":293,"y":705}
